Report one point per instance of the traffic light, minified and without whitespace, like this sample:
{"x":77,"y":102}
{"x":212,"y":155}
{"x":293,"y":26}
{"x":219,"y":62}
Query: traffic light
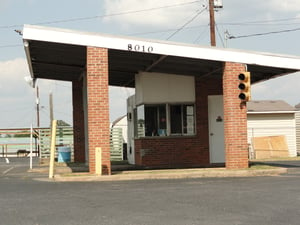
{"x":245,"y":86}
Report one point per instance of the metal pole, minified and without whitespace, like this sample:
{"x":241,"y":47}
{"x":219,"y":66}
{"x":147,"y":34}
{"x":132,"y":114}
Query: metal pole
{"x":38,"y":120}
{"x":51,"y":107}
{"x":31,"y":131}
{"x":37,"y":107}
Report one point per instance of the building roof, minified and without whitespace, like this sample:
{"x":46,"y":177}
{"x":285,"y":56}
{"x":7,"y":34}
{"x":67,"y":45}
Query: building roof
{"x":297,"y":106}
{"x":269,"y":106}
{"x":60,"y":54}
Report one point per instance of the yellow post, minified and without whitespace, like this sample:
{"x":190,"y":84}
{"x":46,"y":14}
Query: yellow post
{"x":98,"y":161}
{"x":52,"y":149}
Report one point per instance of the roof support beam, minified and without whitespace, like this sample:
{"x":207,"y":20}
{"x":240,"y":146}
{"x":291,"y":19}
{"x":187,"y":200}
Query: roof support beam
{"x":161,"y":58}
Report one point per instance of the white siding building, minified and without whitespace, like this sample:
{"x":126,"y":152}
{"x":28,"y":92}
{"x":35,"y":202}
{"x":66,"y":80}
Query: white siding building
{"x":272,"y":118}
{"x":297,"y":118}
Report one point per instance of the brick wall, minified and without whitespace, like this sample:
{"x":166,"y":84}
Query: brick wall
{"x":235,"y":119}
{"x":182,"y":151}
{"x":78,"y":121}
{"x":98,"y":107}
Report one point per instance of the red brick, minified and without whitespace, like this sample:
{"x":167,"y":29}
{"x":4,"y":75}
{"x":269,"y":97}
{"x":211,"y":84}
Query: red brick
{"x":98,"y":107}
{"x":183,"y":151}
{"x":235,"y":119}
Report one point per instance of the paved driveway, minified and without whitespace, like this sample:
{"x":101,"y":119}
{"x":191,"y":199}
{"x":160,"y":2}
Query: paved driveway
{"x":293,"y":166}
{"x":205,"y":201}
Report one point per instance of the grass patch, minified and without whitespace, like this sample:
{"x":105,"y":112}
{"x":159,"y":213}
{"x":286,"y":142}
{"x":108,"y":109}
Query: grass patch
{"x":261,"y":167}
{"x":296,"y":158}
{"x":123,"y":162}
{"x":77,"y":175}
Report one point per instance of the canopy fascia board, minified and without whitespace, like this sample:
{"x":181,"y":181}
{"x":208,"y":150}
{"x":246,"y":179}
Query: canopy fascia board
{"x":64,"y":36}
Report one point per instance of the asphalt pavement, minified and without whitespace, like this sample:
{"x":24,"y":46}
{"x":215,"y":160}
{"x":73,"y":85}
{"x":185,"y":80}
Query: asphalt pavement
{"x":267,"y":200}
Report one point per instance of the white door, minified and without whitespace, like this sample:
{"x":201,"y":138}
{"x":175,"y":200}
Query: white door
{"x":216,"y":128}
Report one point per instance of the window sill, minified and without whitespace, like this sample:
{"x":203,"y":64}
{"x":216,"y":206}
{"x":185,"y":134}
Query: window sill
{"x":167,"y":137}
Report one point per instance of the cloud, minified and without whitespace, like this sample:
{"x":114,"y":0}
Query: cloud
{"x":12,"y":73}
{"x":13,"y":68}
{"x":118,"y":101}
{"x":281,"y":88}
{"x":17,"y":98}
{"x":256,"y":10}
{"x":282,"y":5}
{"x":4,"y":4}
{"x":176,"y":15}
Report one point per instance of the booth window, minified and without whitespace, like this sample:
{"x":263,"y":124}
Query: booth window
{"x":155,"y":120}
{"x":164,"y":120}
{"x":182,"y":121}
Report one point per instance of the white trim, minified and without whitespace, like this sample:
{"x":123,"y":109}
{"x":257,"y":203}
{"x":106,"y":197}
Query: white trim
{"x":56,"y":35}
{"x":270,"y":112}
{"x":27,"y":53}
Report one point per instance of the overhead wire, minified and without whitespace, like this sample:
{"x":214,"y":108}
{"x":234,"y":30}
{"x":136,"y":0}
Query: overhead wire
{"x":220,"y":37}
{"x":265,"y":33}
{"x":246,"y":23}
{"x":262,"y":22}
{"x":188,"y":22}
{"x":101,"y":16}
{"x":201,"y":34}
{"x":92,"y":17}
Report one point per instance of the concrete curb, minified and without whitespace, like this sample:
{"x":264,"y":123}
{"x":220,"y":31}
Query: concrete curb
{"x":167,"y":174}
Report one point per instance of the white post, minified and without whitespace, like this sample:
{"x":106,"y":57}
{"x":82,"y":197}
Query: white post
{"x":98,"y":161}
{"x":52,"y":150}
{"x":31,"y":130}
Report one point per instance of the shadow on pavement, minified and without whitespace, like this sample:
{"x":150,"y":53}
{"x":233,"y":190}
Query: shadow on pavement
{"x":286,"y":164}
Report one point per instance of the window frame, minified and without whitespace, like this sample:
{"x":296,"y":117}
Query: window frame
{"x":166,"y":132}
{"x":182,"y":119}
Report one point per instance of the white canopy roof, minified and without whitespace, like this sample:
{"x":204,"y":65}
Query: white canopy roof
{"x":53,"y":50}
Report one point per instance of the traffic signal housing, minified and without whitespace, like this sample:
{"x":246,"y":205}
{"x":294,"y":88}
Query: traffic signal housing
{"x":244,"y":86}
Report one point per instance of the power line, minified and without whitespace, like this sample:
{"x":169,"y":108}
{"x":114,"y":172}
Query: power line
{"x":10,"y":46}
{"x":101,"y":16}
{"x":166,"y":30}
{"x":261,"y":34}
{"x":191,"y":20}
{"x":217,"y":28}
{"x":261,"y":22}
{"x":201,"y":34}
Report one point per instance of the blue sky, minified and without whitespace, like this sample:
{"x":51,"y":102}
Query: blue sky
{"x":153,"y":19}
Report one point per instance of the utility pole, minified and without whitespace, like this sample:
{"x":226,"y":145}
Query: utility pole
{"x":51,"y":107}
{"x":38,"y":120}
{"x":212,"y":23}
{"x":37,"y":107}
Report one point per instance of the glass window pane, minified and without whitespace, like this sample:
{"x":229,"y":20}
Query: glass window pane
{"x":188,"y":119}
{"x":162,"y":123}
{"x":151,"y":120}
{"x":140,"y":124}
{"x":175,"y":119}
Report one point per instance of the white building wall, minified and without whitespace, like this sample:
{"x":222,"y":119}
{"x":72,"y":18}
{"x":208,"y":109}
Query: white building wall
{"x":297,"y":118}
{"x":164,"y":88}
{"x":273,"y":125}
{"x":123,"y":125}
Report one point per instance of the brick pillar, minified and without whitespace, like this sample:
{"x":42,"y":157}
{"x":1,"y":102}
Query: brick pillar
{"x":235,"y":119}
{"x":98,"y":107}
{"x":78,"y":122}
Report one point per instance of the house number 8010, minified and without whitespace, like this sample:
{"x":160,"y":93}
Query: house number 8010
{"x":140,"y":48}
